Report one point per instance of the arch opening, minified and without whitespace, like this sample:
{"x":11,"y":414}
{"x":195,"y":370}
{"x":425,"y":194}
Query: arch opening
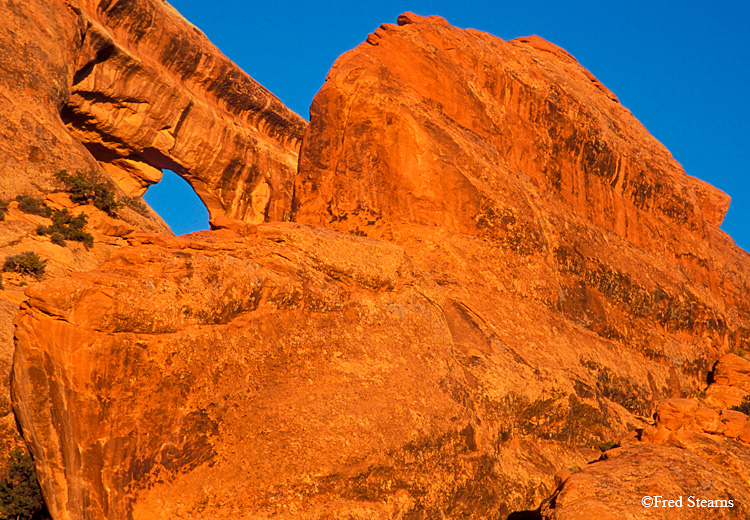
{"x":177,"y":204}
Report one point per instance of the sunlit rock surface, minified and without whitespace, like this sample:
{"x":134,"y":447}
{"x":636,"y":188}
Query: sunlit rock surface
{"x":150,"y":92}
{"x":515,"y":276}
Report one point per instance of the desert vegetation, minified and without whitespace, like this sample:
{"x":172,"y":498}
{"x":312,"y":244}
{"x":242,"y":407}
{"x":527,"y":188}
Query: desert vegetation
{"x":744,"y":406}
{"x":20,"y":495}
{"x":33,"y":205}
{"x":27,"y":262}
{"x":85,"y":188}
{"x":66,"y":226}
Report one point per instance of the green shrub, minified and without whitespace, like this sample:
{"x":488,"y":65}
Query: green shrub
{"x":33,"y":205}
{"x":65,"y":226}
{"x":608,"y":445}
{"x":85,"y":188}
{"x":20,"y":494}
{"x":58,"y":239}
{"x":3,"y":209}
{"x":744,"y":406}
{"x":25,"y":263}
{"x":137,"y":205}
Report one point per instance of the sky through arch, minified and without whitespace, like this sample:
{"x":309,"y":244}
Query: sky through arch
{"x":176,"y":202}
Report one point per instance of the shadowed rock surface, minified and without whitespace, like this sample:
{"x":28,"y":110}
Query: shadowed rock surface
{"x":516,"y":274}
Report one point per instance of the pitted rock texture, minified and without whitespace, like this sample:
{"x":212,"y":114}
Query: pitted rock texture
{"x":613,"y":488}
{"x":282,"y":369}
{"x":694,"y":450}
{"x":150,"y":92}
{"x":586,"y":279}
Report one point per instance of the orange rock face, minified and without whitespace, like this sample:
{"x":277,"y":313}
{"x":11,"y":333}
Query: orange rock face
{"x":532,"y":275}
{"x":694,"y":450}
{"x":123,"y":89}
{"x":40,"y":42}
{"x":150,"y":92}
{"x":614,"y":488}
{"x":585,"y":275}
{"x":536,"y":200}
{"x":292,"y":369}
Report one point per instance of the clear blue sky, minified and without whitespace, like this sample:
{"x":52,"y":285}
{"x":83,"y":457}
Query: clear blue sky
{"x":682,"y":68}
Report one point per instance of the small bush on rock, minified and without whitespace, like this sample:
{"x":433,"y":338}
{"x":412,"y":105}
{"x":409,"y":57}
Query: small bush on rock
{"x":744,"y":406}
{"x":3,"y":209}
{"x":85,"y":188}
{"x":20,"y":495}
{"x":25,"y":263}
{"x":58,"y":239}
{"x":137,"y":205}
{"x":33,"y":205}
{"x":65,"y":226}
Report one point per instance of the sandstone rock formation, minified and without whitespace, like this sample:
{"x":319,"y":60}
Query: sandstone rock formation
{"x":614,"y":488}
{"x":38,"y":48}
{"x":695,"y":451}
{"x":515,"y":273}
{"x":122,"y":89}
{"x":292,"y":371}
{"x":150,"y":92}
{"x":142,"y":89}
{"x":586,"y":277}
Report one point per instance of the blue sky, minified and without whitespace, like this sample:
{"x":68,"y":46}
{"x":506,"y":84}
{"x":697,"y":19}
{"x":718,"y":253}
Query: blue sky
{"x":682,"y":68}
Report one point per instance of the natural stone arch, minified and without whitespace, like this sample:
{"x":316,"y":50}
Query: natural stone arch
{"x":150,"y":92}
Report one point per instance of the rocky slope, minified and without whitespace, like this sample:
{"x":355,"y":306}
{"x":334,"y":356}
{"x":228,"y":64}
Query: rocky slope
{"x":122,"y":89}
{"x":696,"y":454}
{"x":515,"y":274}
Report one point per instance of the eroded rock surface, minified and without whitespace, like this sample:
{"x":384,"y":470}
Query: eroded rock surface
{"x":122,"y":90}
{"x":39,"y":44}
{"x":293,"y":371}
{"x":585,"y":276}
{"x":150,"y":92}
{"x":613,"y":489}
{"x":695,"y":454}
{"x":533,"y":274}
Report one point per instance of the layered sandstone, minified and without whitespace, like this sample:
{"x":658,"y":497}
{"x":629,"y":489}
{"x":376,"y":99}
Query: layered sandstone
{"x":516,"y":273}
{"x":695,"y":454}
{"x":150,"y":92}
{"x":540,"y":204}
{"x":143,"y":90}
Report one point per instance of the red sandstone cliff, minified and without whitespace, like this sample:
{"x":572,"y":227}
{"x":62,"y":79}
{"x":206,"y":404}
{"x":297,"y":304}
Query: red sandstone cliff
{"x":150,"y":92}
{"x":123,"y":89}
{"x":515,"y":273}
